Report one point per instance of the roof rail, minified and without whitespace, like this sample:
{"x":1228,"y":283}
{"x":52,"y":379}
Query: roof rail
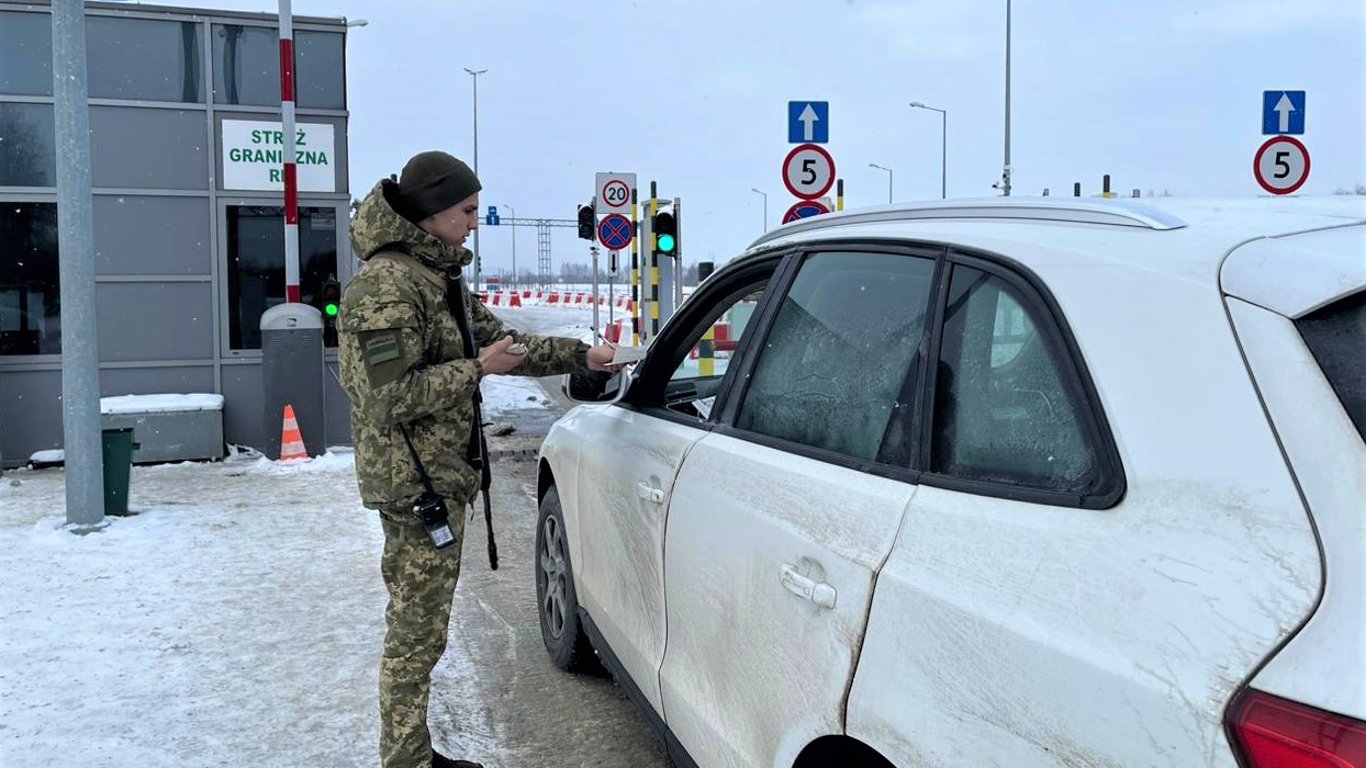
{"x":1120,"y":212}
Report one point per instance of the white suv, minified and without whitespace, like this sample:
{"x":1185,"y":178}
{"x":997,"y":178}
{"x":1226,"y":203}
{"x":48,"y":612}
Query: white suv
{"x":1000,"y":483}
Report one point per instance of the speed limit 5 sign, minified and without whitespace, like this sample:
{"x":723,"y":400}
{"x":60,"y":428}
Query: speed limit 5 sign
{"x":808,"y":171}
{"x":1281,"y":165}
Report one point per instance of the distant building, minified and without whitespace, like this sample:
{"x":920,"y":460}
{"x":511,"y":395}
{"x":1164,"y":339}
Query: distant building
{"x":189,"y":240}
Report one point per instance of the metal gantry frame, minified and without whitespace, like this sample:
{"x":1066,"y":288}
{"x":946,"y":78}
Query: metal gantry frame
{"x":543,"y":226}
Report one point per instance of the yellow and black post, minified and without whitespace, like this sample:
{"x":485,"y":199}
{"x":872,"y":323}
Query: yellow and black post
{"x":654,"y":263}
{"x":706,"y":352}
{"x":635,"y":273}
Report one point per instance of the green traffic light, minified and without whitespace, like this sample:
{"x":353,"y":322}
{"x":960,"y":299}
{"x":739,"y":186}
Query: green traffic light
{"x":666,"y":243}
{"x":331,"y":310}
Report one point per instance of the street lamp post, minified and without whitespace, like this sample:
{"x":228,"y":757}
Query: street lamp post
{"x":1004,"y":183}
{"x":514,"y":245}
{"x":765,"y":196}
{"x":943,"y":145}
{"x":889,"y":179}
{"x":477,"y":259}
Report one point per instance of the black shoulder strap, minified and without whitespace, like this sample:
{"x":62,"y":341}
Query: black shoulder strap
{"x":455,"y":301}
{"x":417,"y":461}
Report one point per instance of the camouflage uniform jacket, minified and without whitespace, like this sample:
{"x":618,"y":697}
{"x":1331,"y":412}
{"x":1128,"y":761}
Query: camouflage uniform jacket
{"x":402,"y":359}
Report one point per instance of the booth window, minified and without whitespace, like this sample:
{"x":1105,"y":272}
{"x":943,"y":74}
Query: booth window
{"x":246,"y":67}
{"x":30,"y":306}
{"x":256,"y":267}
{"x":25,"y":54}
{"x":28,"y":150}
{"x":145,"y":60}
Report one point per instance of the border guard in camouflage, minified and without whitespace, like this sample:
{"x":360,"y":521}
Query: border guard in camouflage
{"x":412,"y":369}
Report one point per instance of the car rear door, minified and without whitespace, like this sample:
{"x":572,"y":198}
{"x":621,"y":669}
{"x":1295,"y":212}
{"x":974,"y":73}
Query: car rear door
{"x":1046,"y":603}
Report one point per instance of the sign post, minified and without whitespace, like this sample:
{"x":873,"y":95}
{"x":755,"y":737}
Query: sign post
{"x":808,"y":169}
{"x":1281,"y":165}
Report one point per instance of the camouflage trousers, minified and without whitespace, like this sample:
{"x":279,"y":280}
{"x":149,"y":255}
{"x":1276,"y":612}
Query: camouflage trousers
{"x":421,"y":584}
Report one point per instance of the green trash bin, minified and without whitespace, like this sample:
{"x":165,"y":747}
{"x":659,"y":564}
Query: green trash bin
{"x":117,"y":454}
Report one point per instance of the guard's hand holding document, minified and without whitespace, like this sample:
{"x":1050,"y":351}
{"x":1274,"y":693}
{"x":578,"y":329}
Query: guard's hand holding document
{"x":628,"y":355}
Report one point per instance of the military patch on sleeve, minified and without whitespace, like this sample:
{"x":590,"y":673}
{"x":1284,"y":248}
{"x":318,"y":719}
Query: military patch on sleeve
{"x":381,"y":347}
{"x":383,"y":353}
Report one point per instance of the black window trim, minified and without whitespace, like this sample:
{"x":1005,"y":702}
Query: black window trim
{"x":726,"y":424}
{"x":1034,"y":295}
{"x":1076,"y":376}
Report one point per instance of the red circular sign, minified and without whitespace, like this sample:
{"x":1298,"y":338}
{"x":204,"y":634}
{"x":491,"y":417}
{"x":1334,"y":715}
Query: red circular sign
{"x":808,"y":171}
{"x":1281,"y":165}
{"x":616,"y":195}
{"x":803,"y":209}
{"x":615,"y":232}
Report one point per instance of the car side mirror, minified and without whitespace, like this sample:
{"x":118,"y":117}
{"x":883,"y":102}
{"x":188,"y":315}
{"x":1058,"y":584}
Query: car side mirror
{"x":596,"y":386}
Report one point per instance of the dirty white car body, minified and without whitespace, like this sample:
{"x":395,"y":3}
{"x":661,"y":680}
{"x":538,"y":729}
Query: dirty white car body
{"x":1185,"y":565}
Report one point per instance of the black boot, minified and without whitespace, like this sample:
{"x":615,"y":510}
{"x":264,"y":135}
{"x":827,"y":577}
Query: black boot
{"x":441,"y":761}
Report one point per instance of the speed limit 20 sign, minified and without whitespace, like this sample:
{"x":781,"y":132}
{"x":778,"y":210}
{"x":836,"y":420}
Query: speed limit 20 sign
{"x":808,"y":171}
{"x":1281,"y":165}
{"x":614,"y":192}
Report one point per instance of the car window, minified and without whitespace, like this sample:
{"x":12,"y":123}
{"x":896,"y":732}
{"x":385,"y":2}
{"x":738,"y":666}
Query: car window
{"x":1001,"y":410}
{"x":698,"y":377}
{"x":712,"y":352}
{"x":1336,"y":335}
{"x":831,"y":370}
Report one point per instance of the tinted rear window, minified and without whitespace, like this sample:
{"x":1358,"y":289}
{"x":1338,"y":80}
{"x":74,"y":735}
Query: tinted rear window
{"x":1336,"y":335}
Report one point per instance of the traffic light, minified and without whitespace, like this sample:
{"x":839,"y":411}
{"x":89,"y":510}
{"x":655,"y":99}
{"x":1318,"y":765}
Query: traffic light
{"x":666,"y":233}
{"x":329,"y":298}
{"x":588,"y":222}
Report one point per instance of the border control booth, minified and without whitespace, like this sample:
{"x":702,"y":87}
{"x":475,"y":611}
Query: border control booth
{"x":188,"y":210}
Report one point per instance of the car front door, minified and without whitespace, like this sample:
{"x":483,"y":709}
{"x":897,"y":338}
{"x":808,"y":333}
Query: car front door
{"x":629,"y":456}
{"x":781,"y":516}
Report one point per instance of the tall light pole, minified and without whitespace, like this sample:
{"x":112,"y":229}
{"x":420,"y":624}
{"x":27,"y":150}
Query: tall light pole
{"x":477,"y":258}
{"x":765,"y":195}
{"x":1004,"y":183}
{"x":944,"y":147}
{"x":514,"y":245}
{"x":889,"y":179}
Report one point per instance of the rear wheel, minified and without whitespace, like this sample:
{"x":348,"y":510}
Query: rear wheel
{"x":557,"y":604}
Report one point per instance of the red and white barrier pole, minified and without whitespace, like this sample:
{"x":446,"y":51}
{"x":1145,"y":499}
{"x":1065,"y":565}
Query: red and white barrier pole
{"x":291,"y":176}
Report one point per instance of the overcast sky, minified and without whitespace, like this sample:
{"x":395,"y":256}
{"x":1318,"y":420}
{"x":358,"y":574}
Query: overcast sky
{"x":1161,"y":94}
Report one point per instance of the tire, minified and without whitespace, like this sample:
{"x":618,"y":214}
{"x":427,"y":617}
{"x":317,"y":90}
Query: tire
{"x":556,"y":602}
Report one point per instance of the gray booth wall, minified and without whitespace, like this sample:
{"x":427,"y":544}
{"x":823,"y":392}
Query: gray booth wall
{"x":162,"y":251}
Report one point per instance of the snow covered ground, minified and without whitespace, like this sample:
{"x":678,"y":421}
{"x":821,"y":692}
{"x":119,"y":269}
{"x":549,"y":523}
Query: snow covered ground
{"x":233,"y":620}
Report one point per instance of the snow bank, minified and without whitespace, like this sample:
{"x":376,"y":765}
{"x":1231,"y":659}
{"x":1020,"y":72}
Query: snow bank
{"x":160,"y":403}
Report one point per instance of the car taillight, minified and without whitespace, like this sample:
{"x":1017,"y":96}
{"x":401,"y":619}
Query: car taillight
{"x":1271,"y":732}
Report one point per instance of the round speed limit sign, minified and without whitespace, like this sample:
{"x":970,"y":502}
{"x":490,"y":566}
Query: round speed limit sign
{"x":808,"y":171}
{"x":1281,"y":165}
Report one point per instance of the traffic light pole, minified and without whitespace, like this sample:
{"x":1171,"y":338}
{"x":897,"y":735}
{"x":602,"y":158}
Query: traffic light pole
{"x":678,"y":253}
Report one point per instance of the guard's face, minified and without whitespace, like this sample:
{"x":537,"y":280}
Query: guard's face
{"x":453,"y":225}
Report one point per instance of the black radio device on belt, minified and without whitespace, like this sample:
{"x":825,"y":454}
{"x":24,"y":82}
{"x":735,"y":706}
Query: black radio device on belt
{"x":430,"y":507}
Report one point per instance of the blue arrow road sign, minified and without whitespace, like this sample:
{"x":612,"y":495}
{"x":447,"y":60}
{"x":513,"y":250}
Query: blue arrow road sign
{"x":808,"y":122}
{"x":492,"y":219}
{"x":1282,"y":113}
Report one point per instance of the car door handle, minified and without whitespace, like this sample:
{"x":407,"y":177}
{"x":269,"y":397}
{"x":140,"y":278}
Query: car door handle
{"x":652,"y":495}
{"x":820,"y":593}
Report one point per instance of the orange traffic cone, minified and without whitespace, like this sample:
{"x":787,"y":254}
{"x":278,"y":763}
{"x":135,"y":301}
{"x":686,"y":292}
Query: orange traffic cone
{"x":291,"y":440}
